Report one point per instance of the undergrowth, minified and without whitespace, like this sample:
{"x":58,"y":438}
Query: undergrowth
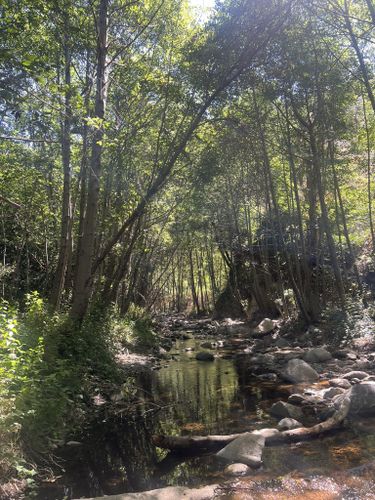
{"x":50,"y":372}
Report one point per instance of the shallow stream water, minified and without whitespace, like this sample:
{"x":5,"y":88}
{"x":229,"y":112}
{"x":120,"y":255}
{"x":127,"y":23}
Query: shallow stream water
{"x":186,"y":396}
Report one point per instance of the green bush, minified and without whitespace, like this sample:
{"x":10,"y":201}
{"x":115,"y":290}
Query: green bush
{"x":50,"y":371}
{"x":135,"y":330}
{"x":36,"y":391}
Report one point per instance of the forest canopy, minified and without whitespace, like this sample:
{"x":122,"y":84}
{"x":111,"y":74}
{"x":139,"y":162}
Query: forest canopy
{"x":144,"y":154}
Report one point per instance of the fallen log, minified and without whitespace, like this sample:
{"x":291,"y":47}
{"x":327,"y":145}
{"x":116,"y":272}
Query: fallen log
{"x":196,"y":444}
{"x":192,"y":444}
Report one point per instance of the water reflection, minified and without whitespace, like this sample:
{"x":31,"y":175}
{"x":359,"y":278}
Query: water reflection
{"x":193,"y":397}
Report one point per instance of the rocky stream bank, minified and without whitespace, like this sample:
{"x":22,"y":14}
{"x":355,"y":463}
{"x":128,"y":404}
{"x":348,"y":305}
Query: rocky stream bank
{"x":233,"y":410}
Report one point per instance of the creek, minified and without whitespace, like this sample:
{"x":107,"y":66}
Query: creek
{"x":186,"y":396}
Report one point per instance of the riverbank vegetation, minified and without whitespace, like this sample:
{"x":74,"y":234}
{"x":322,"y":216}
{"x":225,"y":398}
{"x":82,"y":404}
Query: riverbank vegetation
{"x":153,"y":162}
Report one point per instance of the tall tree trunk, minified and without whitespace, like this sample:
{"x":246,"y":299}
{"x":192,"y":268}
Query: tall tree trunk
{"x":192,"y":283}
{"x":82,"y":185}
{"x":273,"y":199}
{"x":325,"y":218}
{"x":369,"y":190}
{"x":343,"y":216}
{"x":83,"y":284}
{"x":65,"y":248}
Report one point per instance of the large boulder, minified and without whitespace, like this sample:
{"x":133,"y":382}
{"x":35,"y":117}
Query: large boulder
{"x":297,"y":399}
{"x":317,"y":355}
{"x":246,"y":449}
{"x":298,"y":371}
{"x":284,"y":355}
{"x":361,"y":400}
{"x":285,"y":410}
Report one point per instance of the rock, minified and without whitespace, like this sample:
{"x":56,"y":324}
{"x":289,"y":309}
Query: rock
{"x":351,"y":355}
{"x":317,"y":355}
{"x":262,"y":359}
{"x":282,"y":409}
{"x":332,"y":392}
{"x":340,"y":382}
{"x":284,"y":355}
{"x":355,"y":374}
{"x":265,"y":326}
{"x":281,"y":343}
{"x":361,"y":400}
{"x":287,"y":424}
{"x":340,"y":354}
{"x":298,"y":371}
{"x":363,"y":364}
{"x":269,"y":377}
{"x":296,"y":399}
{"x":204,"y":356}
{"x":344,"y":354}
{"x":236,"y":470}
{"x":246,"y":449}
{"x":325,"y":413}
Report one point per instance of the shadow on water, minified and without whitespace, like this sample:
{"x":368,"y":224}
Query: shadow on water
{"x":192,"y":397}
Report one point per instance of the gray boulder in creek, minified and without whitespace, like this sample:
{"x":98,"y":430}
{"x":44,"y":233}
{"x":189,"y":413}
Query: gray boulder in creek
{"x":361,"y":400}
{"x":317,"y":355}
{"x":246,"y":449}
{"x":282,"y":409}
{"x":297,"y":371}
